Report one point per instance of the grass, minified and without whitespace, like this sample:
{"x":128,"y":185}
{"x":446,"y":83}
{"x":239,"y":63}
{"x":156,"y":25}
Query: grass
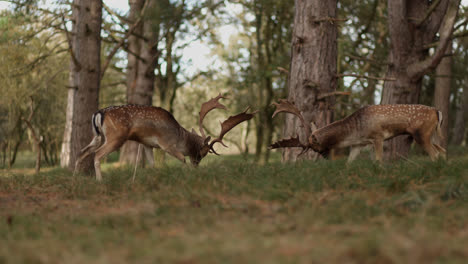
{"x":233,"y":211}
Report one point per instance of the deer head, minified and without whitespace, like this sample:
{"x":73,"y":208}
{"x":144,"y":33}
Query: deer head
{"x":226,"y":126}
{"x":294,"y":142}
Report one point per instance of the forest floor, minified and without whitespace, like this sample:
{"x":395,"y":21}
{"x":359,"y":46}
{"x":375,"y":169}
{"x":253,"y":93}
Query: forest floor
{"x":231,"y":210}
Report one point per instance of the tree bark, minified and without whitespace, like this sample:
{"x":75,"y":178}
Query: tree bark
{"x":413,"y":25}
{"x":140,"y":78}
{"x":313,"y":68}
{"x":129,"y":150}
{"x":133,"y":46}
{"x":83,"y":101}
{"x":442,"y":93}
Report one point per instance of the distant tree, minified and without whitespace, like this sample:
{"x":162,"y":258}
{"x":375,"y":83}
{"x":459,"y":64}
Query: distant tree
{"x":443,"y":80}
{"x":362,"y":53}
{"x":83,"y":93}
{"x":257,"y":59}
{"x":31,"y":66}
{"x":141,"y":62}
{"x":459,"y":107}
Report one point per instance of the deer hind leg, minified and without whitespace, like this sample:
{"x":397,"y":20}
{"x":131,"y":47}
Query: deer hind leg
{"x":424,"y":139}
{"x":88,"y":150}
{"x":441,"y":151}
{"x":378,"y":149}
{"x":109,"y":146}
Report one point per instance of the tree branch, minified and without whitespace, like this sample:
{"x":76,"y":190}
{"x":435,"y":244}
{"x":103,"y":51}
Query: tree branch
{"x":367,"y":77}
{"x":454,"y":36}
{"x":122,"y":41}
{"x":325,"y":95}
{"x":417,"y":70}
{"x":354,"y":57}
{"x":428,"y":13}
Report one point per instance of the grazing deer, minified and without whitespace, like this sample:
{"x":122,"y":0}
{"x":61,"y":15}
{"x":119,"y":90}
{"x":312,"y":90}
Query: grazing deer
{"x":154,"y":127}
{"x":369,"y":125}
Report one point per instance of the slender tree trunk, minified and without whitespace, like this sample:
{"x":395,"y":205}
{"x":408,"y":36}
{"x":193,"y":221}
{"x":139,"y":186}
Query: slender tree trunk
{"x":134,"y":48}
{"x":86,"y":48}
{"x":129,"y":150}
{"x":146,"y":76}
{"x":37,"y":143}
{"x":65,"y":153}
{"x":313,"y":68}
{"x":442,"y":93}
{"x":141,"y":83}
{"x":412,"y":26}
{"x":167,"y":85}
{"x":461,"y":118}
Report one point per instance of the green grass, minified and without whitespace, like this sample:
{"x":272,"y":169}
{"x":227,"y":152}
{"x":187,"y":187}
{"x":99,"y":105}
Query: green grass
{"x":230,"y":210}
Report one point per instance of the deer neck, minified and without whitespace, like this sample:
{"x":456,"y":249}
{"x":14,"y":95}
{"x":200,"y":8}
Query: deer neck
{"x":191,"y":144}
{"x":333,"y":135}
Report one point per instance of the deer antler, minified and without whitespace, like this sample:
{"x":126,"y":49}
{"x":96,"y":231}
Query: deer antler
{"x":289,"y":107}
{"x":207,"y":107}
{"x":290,"y":143}
{"x":230,"y":123}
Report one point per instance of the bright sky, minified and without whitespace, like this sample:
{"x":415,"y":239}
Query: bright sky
{"x":197,"y":54}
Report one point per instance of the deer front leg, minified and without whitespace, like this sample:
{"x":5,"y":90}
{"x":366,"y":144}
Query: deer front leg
{"x":378,"y":149}
{"x":355,"y":150}
{"x":175,"y":153}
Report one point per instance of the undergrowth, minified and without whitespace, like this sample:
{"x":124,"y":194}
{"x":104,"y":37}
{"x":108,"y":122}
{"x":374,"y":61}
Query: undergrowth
{"x":231,"y":210}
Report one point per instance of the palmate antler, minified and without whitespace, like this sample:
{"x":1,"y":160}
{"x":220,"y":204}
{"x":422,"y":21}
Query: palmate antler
{"x":229,"y":124}
{"x":207,"y":107}
{"x":290,"y":143}
{"x":289,"y":107}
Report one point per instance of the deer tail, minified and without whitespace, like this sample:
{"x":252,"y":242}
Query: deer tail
{"x":97,"y":120}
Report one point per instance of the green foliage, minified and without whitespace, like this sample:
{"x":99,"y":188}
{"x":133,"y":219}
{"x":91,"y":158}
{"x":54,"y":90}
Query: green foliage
{"x":230,"y":210}
{"x":32,"y":72}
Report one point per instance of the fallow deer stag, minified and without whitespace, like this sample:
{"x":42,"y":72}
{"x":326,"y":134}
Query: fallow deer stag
{"x":154,"y":127}
{"x":369,"y":125}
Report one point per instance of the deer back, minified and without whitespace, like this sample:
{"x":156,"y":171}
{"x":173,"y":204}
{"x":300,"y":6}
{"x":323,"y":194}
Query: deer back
{"x":146,"y":124}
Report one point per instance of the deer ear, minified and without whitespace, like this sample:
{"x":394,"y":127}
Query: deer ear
{"x":194,"y":132}
{"x":207,"y":140}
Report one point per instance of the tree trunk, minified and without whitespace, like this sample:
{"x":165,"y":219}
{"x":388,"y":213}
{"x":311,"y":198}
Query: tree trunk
{"x":413,"y":26}
{"x":313,"y":68}
{"x":65,"y":153}
{"x":461,"y":118}
{"x":129,"y":150}
{"x":442,"y":93}
{"x":134,"y":48}
{"x":140,"y":84}
{"x":85,"y":80}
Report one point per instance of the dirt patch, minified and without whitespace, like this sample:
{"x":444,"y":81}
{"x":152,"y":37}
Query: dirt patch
{"x":20,"y":203}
